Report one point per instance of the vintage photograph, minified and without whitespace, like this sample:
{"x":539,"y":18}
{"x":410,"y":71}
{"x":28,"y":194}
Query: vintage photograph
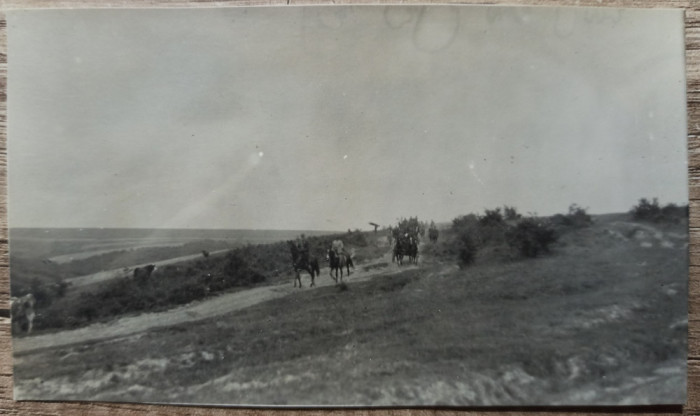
{"x":349,"y":205}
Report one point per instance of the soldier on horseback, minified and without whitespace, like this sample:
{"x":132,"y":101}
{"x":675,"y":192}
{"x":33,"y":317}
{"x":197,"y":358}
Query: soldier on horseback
{"x":303,"y":246}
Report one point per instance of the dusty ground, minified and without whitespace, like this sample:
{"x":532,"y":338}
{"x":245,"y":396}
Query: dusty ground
{"x":603,"y":320}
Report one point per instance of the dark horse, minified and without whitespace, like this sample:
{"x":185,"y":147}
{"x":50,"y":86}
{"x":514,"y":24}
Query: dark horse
{"x":412,"y":251}
{"x":398,"y":252}
{"x":299,"y":264}
{"x":433,"y":234}
{"x":337,"y":262}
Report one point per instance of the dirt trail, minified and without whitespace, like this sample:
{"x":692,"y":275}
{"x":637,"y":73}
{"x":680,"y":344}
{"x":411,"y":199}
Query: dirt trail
{"x":197,"y":310}
{"x":647,"y":235}
{"x":103,"y":276}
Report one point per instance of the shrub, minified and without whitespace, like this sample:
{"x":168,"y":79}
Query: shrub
{"x":491,"y":217}
{"x":511,"y":214}
{"x":647,"y":211}
{"x":651,"y":211}
{"x":531,"y":237}
{"x":467,"y":250}
{"x":578,"y":217}
{"x":674,"y":213}
{"x":238,"y":271}
{"x":464,"y":222}
{"x":356,"y":239}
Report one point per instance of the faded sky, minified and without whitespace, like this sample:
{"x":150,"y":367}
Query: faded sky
{"x":331,"y":117}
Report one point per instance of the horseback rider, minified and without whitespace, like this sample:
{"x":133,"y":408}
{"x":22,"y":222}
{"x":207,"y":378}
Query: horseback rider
{"x":303,"y":246}
{"x":337,"y":246}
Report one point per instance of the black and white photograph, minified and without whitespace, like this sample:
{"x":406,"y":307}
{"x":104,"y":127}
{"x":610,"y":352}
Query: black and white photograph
{"x":348,"y":206}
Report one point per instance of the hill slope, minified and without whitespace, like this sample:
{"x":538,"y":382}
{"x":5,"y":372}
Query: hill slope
{"x":602,"y":320}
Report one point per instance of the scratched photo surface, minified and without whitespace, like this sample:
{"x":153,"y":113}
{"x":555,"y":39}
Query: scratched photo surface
{"x":349,"y":206}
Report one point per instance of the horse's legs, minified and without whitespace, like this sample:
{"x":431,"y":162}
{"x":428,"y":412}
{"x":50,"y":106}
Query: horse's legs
{"x":311,"y":272}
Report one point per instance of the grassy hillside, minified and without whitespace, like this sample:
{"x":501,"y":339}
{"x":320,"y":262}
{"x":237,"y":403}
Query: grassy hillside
{"x":242,"y":267}
{"x":601,"y":319}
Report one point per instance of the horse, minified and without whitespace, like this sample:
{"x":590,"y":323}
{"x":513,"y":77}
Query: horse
{"x":22,"y":312}
{"x":337,"y":261}
{"x":412,"y":251}
{"x":299,"y":264}
{"x":398,"y":252}
{"x":433,"y":234}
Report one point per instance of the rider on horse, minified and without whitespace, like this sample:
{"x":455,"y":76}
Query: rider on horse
{"x":303,"y":246}
{"x":337,"y":246}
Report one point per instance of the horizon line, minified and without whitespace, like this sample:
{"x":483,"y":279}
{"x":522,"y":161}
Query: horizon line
{"x":257,"y":229}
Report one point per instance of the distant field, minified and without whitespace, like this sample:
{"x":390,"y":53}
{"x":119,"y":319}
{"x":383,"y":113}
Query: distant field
{"x":38,"y":243}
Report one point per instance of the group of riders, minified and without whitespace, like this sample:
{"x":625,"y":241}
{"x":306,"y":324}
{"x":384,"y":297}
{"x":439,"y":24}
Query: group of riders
{"x":404,"y":244}
{"x":403,"y":238}
{"x":337,"y":257}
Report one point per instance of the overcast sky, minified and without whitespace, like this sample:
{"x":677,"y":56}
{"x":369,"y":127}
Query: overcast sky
{"x":331,"y":117}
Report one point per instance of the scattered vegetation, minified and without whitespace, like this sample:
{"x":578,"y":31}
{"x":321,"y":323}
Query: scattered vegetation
{"x":242,"y":267}
{"x":510,"y":213}
{"x":504,"y":233}
{"x":497,"y":235}
{"x":577,"y":217}
{"x":45,"y":289}
{"x":651,"y":211}
{"x":467,"y":250}
{"x":531,"y":237}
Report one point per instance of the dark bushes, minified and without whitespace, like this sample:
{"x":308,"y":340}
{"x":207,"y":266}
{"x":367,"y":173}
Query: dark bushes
{"x":651,"y":211}
{"x":510,"y":213}
{"x":500,"y":230}
{"x":239,"y":272}
{"x":577,"y":217}
{"x":531,"y":237}
{"x":467,"y":250}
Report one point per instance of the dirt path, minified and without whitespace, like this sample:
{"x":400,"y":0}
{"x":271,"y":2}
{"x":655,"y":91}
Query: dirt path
{"x":198,"y":310}
{"x":647,"y":235}
{"x":103,"y":276}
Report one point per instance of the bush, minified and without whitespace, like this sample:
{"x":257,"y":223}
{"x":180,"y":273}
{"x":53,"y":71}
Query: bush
{"x":491,"y":217}
{"x":464,"y":223}
{"x":358,"y":239}
{"x":578,"y":217}
{"x":511,"y":214}
{"x":675,"y":212}
{"x":531,"y":237}
{"x":647,"y":211}
{"x":238,"y":272}
{"x":467,"y":250}
{"x":651,"y":211}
